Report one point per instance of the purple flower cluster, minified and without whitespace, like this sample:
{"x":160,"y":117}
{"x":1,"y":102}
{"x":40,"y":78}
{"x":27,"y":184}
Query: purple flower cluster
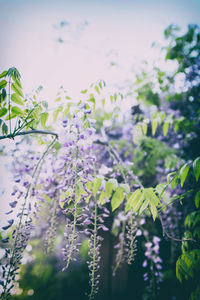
{"x":153,"y":265}
{"x":127,"y":244}
{"x":21,"y":229}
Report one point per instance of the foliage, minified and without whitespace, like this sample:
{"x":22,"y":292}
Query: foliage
{"x":106,"y":177}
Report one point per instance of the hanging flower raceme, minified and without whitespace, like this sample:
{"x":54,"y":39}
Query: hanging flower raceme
{"x":25,"y":169}
{"x":153,"y":265}
{"x":127,"y":244}
{"x":20,"y":229}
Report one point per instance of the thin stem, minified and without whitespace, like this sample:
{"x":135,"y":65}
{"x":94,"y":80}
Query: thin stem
{"x":169,"y":236}
{"x":114,"y":152}
{"x":52,"y":230}
{"x":12,"y":136}
{"x":131,"y":252}
{"x":75,"y":211}
{"x":119,"y":260}
{"x":94,"y":250}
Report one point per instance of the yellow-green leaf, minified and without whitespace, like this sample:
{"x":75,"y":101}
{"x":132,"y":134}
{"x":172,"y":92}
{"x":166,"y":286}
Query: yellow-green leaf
{"x":108,"y":189}
{"x":117,"y":198}
{"x":165,"y":128}
{"x":16,"y":110}
{"x":3,"y":112}
{"x":125,"y":187}
{"x":3,"y":84}
{"x":101,"y":198}
{"x":197,"y":199}
{"x":154,"y":127}
{"x":17,"y":89}
{"x":3,"y":74}
{"x":196,"y":168}
{"x":16,"y":99}
{"x":153,"y":210}
{"x":144,"y":128}
{"x":44,"y":118}
{"x":183,"y":173}
{"x":114,"y":182}
{"x":96,"y":185}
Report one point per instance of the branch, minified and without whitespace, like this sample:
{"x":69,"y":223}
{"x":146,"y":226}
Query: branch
{"x":169,"y":236}
{"x":114,"y":152}
{"x":12,"y":136}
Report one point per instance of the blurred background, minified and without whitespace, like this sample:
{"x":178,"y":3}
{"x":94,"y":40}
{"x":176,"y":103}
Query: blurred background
{"x":72,"y":44}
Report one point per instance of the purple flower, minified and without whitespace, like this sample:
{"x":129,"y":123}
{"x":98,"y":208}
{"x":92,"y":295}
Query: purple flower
{"x":10,"y":222}
{"x":13,"y":204}
{"x":104,"y":228}
{"x":5,"y":240}
{"x":9,"y":212}
{"x":144,"y":263}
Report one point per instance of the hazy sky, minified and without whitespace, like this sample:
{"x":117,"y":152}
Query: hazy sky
{"x":94,"y":34}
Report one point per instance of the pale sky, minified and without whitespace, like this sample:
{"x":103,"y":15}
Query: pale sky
{"x":96,"y":33}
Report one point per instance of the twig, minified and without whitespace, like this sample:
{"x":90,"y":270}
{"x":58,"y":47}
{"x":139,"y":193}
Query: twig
{"x":114,"y":152}
{"x":169,"y":236}
{"x":12,"y":136}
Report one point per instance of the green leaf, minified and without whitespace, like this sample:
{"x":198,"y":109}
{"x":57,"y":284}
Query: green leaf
{"x":108,"y":189}
{"x":196,"y":168}
{"x":16,"y":110}
{"x":4,"y":129}
{"x":3,"y":112}
{"x":125,"y":187}
{"x":138,"y":201}
{"x":117,"y":198}
{"x":84,"y":91}
{"x":165,"y":128}
{"x":197,"y":199}
{"x":103,"y":102}
{"x":144,"y":128}
{"x":3,"y":74}
{"x":97,"y":89}
{"x":114,"y":182}
{"x":144,"y":206}
{"x":174,"y":182}
{"x":87,"y":199}
{"x":153,"y":210}
{"x":17,"y":89}
{"x":149,"y":193}
{"x":154,"y":127}
{"x":89,"y":185}
{"x":16,"y":99}
{"x":183,"y":173}
{"x":111,"y":99}
{"x":3,"y":95}
{"x":162,"y":116}
{"x":101,"y":198}
{"x":46,"y":197}
{"x":169,"y":176}
{"x":133,"y":199}
{"x":55,"y":115}
{"x":17,"y":81}
{"x":96,"y":185}
{"x":3,"y":84}
{"x":44,"y":118}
